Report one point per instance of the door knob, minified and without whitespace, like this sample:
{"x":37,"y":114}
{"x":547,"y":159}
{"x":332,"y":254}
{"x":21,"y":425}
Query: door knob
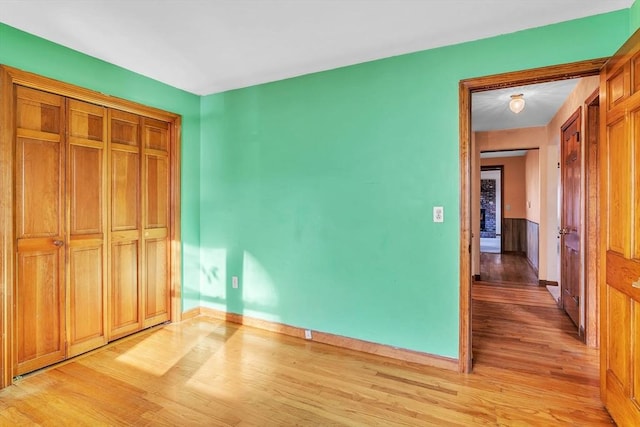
{"x":563,"y":231}
{"x":58,"y":243}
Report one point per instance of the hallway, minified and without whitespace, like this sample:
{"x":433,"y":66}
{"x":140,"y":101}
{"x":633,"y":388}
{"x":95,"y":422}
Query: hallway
{"x":526,"y":344}
{"x":507,"y":268}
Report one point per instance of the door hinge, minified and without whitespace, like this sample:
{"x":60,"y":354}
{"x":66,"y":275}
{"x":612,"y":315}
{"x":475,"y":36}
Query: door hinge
{"x":578,"y":135}
{"x":558,"y":165}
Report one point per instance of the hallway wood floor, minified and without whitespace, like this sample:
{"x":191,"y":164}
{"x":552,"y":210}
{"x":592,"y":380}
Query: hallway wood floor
{"x":507,"y":268}
{"x":530,"y":369}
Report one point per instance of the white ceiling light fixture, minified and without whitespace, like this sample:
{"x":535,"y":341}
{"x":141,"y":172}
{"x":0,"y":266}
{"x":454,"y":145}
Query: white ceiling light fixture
{"x":517,"y":103}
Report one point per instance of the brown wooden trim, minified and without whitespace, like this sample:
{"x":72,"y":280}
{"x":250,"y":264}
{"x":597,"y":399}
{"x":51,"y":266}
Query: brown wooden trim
{"x":466,"y":87}
{"x":575,"y":116}
{"x":8,"y":78}
{"x":175,"y":238}
{"x":547,"y":283}
{"x":6,"y":226}
{"x":25,"y":78}
{"x":552,"y":73}
{"x":190,"y":314}
{"x":591,"y":220}
{"x":336,"y":340}
{"x":465,"y":355}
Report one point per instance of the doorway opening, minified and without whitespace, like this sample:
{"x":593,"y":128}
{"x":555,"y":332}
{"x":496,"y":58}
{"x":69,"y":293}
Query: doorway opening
{"x":469,"y":151}
{"x":491,"y":209}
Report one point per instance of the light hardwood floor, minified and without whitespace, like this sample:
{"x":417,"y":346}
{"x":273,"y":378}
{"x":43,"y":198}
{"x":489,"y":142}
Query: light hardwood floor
{"x":530,"y":369}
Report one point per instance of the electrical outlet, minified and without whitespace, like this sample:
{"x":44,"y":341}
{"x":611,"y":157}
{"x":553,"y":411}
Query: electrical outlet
{"x":234,"y":282}
{"x":438,"y":214}
{"x":307,"y":334}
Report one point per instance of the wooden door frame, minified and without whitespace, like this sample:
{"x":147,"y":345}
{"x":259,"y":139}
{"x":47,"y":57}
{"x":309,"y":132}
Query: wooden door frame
{"x":591,"y":218}
{"x":8,"y":78}
{"x":466,"y":88}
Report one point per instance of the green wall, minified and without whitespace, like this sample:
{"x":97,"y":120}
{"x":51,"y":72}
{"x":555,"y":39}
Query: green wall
{"x":317,"y":191}
{"x":27,"y":52}
{"x":634,"y":17}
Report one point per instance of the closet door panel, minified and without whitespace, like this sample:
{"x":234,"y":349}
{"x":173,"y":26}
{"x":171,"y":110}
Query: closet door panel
{"x":125,"y":295}
{"x":156,"y":291}
{"x":125,"y":128}
{"x":39,"y":188}
{"x":39,"y":310}
{"x":39,"y":326}
{"x":156,"y":135}
{"x":157,"y":195}
{"x":125,"y":171}
{"x":86,"y":192}
{"x":86,"y":298}
{"x":87,"y":223}
{"x":155,"y":216}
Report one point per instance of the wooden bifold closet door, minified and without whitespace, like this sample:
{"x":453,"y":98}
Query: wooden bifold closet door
{"x":92,"y":188}
{"x":39,"y":317}
{"x":155,"y":222}
{"x":87,"y":254}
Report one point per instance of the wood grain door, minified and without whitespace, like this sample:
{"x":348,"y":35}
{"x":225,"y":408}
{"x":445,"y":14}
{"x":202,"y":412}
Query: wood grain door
{"x":39,"y":319}
{"x":86,"y":194}
{"x":125,"y":249}
{"x":570,"y":218}
{"x":155,"y":241}
{"x":620,"y":237}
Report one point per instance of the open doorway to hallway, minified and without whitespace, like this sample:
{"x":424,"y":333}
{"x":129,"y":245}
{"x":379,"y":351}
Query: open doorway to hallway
{"x":470,"y":141}
{"x":545,"y":140}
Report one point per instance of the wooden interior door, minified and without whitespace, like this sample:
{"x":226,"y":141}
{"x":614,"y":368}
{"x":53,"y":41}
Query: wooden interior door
{"x":620,"y":237}
{"x":86,"y":282}
{"x":570,"y":218}
{"x":39,"y":322}
{"x":155,"y":241}
{"x":124,"y":199}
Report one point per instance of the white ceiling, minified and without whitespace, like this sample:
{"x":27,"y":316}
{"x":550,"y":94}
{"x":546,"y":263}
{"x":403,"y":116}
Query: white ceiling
{"x":490,"y":109}
{"x":209,"y":46}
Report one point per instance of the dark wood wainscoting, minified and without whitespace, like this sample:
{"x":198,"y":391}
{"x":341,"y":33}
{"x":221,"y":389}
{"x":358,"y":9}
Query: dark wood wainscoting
{"x":514,"y":235}
{"x":533,"y":244}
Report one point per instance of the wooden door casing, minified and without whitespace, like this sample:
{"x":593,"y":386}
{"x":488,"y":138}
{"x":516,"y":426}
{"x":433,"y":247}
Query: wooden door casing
{"x":40,"y":224}
{"x":571,"y":216}
{"x":620,"y":234}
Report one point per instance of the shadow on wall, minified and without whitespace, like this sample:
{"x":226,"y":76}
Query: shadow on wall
{"x":234,"y":281}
